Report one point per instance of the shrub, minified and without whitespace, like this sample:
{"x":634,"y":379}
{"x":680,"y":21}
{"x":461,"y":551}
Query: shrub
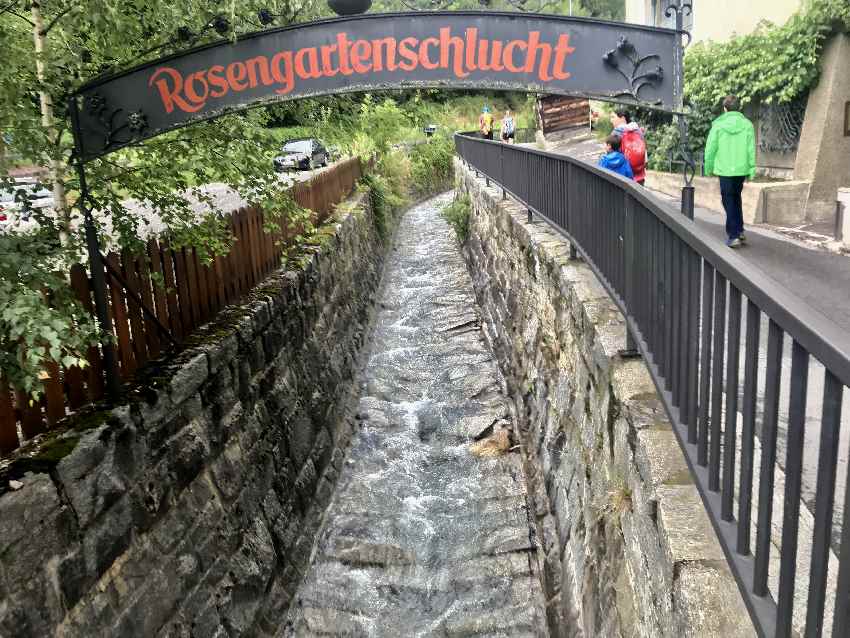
{"x":457,"y":216}
{"x":431,"y":164}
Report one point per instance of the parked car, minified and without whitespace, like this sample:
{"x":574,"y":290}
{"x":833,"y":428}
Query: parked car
{"x":22,"y":197}
{"x":303,"y":154}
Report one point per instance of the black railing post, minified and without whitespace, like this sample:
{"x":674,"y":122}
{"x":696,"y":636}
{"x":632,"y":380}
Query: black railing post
{"x":679,"y":294}
{"x":628,"y":255}
{"x":688,"y":201}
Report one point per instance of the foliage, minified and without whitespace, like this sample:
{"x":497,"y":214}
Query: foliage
{"x":156,"y":186}
{"x":774,"y":64}
{"x":457,"y":216}
{"x":606,"y":9}
{"x":431,"y":163}
{"x":81,"y":39}
{"x":40,"y":319}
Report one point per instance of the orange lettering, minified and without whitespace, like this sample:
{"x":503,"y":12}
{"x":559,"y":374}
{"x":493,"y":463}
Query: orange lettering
{"x":171,"y":96}
{"x":424,"y":60}
{"x":342,"y":42}
{"x":534,"y":46}
{"x":361,"y":51}
{"x":447,"y":40}
{"x":407,"y":50}
{"x":509,"y":55}
{"x":327,"y":68}
{"x":283,"y":75}
{"x":217,"y":81}
{"x":236,"y":74}
{"x":189,"y":88}
{"x":312,"y":60}
{"x":378,"y":55}
{"x":562,"y":50}
{"x":261,"y":64}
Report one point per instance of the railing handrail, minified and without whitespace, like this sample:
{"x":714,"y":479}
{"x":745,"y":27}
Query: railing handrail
{"x":825,"y":340}
{"x":688,"y":323}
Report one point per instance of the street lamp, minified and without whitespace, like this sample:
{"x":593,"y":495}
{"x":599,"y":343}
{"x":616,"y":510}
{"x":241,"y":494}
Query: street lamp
{"x":349,"y":7}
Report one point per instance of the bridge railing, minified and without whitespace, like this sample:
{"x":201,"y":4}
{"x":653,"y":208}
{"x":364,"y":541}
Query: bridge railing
{"x":715,"y":332}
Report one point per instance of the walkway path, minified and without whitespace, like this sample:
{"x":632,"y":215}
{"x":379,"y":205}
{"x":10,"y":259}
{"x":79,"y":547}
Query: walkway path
{"x":422,"y":538}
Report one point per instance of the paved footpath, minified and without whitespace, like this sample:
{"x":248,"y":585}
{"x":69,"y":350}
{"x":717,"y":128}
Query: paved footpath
{"x":422,"y":538}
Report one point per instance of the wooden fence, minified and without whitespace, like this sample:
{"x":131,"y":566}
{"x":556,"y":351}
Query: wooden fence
{"x":193,"y":292}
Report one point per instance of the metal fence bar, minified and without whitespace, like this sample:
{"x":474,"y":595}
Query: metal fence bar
{"x":687,"y":321}
{"x":749,"y":427}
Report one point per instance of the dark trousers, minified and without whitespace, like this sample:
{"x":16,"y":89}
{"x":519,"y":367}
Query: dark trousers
{"x":730,"y":191}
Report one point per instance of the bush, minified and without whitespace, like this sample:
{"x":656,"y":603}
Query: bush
{"x":771,"y":65}
{"x":457,"y":216}
{"x":431,"y":164}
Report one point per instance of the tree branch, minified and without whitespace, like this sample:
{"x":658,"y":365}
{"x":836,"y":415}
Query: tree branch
{"x":56,"y":19}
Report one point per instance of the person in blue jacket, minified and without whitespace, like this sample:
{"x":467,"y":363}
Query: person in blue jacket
{"x":614,"y":160}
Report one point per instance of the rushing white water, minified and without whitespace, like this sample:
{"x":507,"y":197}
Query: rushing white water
{"x":421,"y":537}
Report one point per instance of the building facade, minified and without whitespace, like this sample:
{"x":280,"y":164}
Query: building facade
{"x":716,"y":20}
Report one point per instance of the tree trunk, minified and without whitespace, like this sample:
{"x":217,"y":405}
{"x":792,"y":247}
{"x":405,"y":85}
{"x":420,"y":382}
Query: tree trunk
{"x":48,"y":121}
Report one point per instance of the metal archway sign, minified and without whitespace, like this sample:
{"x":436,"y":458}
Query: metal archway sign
{"x":457,"y":49}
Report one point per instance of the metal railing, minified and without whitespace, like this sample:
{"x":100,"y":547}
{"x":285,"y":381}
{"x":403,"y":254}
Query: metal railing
{"x":688,"y":301}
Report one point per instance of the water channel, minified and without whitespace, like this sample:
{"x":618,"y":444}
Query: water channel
{"x":422,"y":537}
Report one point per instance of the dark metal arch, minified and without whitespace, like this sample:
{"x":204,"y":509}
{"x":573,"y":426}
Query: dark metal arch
{"x":456,"y":49}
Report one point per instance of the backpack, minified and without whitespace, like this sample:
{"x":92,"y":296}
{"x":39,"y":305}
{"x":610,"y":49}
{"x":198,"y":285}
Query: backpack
{"x":633,"y":147}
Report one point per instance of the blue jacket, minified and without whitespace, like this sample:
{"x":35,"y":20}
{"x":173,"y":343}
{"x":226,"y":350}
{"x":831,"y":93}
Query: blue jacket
{"x":615,"y":161}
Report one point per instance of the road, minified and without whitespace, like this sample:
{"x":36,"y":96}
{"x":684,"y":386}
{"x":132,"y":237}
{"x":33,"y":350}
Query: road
{"x":151,"y":225}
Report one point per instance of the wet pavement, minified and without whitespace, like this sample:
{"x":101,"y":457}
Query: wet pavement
{"x":422,"y":537}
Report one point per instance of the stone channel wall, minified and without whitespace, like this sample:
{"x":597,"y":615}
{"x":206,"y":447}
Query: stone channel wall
{"x":191,"y":511}
{"x":627,"y":546}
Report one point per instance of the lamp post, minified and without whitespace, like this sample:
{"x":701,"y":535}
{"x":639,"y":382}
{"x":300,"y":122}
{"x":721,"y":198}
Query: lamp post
{"x":681,"y":8}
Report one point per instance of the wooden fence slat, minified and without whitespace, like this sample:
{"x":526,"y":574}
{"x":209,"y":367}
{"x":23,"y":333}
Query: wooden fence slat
{"x":146,"y":290}
{"x":236,"y":256}
{"x":231,"y":284}
{"x":121,"y":321}
{"x":83,"y":385}
{"x":192,"y":293}
{"x":212,"y":289}
{"x":250,"y":248}
{"x":244,"y":248}
{"x":158,"y":288}
{"x":8,"y":419}
{"x":138,"y":338}
{"x":32,"y":420}
{"x":54,"y":395}
{"x":172,"y":298}
{"x":255,"y":245}
{"x":198,"y":287}
{"x":181,"y":277}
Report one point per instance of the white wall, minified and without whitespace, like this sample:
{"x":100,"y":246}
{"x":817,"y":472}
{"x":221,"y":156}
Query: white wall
{"x":716,"y":20}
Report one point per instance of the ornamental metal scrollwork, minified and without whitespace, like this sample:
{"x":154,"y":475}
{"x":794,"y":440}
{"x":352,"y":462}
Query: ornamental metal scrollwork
{"x":116,"y":128}
{"x":635,"y":79}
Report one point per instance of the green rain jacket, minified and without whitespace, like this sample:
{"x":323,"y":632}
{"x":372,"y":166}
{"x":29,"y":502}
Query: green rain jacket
{"x":731,"y":147}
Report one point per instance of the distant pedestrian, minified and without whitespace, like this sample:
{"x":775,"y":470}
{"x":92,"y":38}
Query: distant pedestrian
{"x":508,"y":128}
{"x":614,"y":160}
{"x":485,"y":123}
{"x":730,"y":153}
{"x":632,"y":142}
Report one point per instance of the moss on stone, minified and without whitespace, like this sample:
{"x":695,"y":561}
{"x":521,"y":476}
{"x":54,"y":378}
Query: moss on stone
{"x":56,"y":450}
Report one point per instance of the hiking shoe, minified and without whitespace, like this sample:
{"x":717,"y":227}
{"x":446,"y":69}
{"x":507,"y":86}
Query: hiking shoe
{"x":733,"y":242}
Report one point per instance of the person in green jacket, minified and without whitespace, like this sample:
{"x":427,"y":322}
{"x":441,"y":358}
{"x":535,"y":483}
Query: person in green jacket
{"x":730,"y":153}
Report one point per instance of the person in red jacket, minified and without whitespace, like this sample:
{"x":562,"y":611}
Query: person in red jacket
{"x":632,"y":143}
